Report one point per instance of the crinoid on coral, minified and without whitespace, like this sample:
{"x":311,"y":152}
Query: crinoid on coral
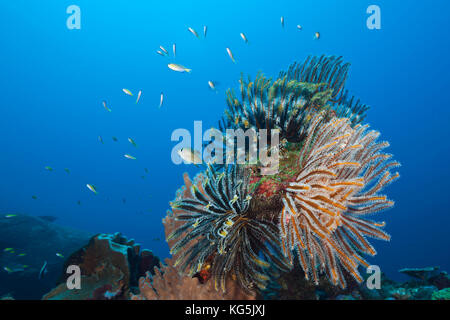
{"x":289,"y":102}
{"x":340,"y":172}
{"x":216,"y":227}
{"x":330,"y":172}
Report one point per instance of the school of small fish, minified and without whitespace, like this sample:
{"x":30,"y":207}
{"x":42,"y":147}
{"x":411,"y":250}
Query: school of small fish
{"x":188,"y":155}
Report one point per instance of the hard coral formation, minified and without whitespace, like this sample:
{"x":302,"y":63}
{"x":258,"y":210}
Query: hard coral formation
{"x":330,"y":174}
{"x":169,"y":284}
{"x":110,"y":267}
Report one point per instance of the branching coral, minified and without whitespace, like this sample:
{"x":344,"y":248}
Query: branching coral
{"x":220,"y":230}
{"x":340,"y":174}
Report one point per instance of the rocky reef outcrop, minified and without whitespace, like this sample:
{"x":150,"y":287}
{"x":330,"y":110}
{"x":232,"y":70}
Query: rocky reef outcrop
{"x":110,"y":266}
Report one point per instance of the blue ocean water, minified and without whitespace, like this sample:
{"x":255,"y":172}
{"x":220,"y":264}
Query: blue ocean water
{"x":53,"y":81}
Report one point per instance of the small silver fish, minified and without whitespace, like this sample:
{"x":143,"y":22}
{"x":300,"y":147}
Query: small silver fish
{"x":299,"y":27}
{"x":193,"y":32}
{"x":282,"y":21}
{"x":59,"y":255}
{"x":43,"y":270}
{"x":161,"y":100}
{"x":164,"y":50}
{"x":105,"y":106}
{"x":244,"y":37}
{"x":212,"y":85}
{"x":129,"y":157}
{"x":160,"y":53}
{"x":132,"y":142}
{"x":174,"y":49}
{"x":92,"y":188}
{"x":190,"y":156}
{"x":178,"y":68}
{"x":317,"y":35}
{"x":139,"y":96}
{"x":231,"y":55}
{"x":205,"y":30}
{"x":127,"y":92}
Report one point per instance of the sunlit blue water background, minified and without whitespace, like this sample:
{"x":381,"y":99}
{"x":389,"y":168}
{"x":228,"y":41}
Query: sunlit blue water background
{"x":53,"y":80}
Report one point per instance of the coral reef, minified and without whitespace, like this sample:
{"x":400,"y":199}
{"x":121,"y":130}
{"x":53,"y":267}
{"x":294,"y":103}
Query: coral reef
{"x":34,"y":241}
{"x":169,"y":284}
{"x":110,"y":265}
{"x":331,"y":170}
{"x":443,"y":294}
{"x":293,"y":286}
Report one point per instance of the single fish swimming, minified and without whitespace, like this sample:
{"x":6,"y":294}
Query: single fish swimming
{"x":230,"y":54}
{"x":193,"y":32}
{"x":178,"y":68}
{"x":132,"y":142}
{"x":43,"y":271}
{"x":92,"y":188}
{"x":190,"y":156}
{"x":139,"y":96}
{"x":127,"y":92}
{"x":129,"y":157}
{"x":244,"y":37}
{"x":105,"y":106}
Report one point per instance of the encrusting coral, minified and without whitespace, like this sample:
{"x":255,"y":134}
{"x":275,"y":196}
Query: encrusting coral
{"x":331,"y":172}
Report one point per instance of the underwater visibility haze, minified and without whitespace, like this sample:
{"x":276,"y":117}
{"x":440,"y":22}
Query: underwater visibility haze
{"x":93,"y":91}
